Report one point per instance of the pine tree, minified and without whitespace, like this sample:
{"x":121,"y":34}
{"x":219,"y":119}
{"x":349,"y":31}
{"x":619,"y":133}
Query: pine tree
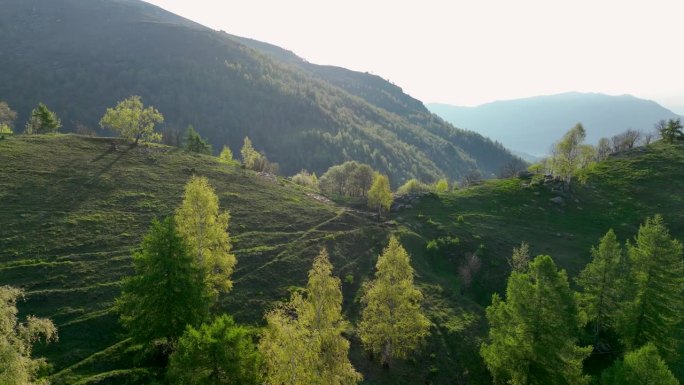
{"x":42,"y":121}
{"x":380,"y":194}
{"x":602,"y":284}
{"x":303,"y":343}
{"x":654,"y":310}
{"x":642,"y":366}
{"x":195,"y":143}
{"x":226,"y":156}
{"x":392,"y":323}
{"x":219,"y":353}
{"x":17,"y":339}
{"x":533,"y":333}
{"x":167,"y":292}
{"x":520,"y":259}
{"x":205,"y":228}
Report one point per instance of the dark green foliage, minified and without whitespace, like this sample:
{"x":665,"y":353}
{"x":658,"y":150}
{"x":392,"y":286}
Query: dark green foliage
{"x":42,"y":121}
{"x":166,"y":293}
{"x":640,"y":367}
{"x":195,"y":143}
{"x":654,"y":309}
{"x":349,"y":178}
{"x":219,"y":353}
{"x":672,"y":130}
{"x":303,"y":117}
{"x":533,"y":333}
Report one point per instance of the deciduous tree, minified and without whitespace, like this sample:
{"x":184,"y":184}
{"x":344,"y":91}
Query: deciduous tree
{"x":206,"y":230}
{"x":7,"y":118}
{"x":17,"y":367}
{"x":132,"y":120}
{"x":672,"y":130}
{"x":392,"y":323}
{"x":533,"y":332}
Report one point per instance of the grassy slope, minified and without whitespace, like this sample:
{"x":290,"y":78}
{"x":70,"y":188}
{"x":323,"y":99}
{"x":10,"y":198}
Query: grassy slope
{"x":72,"y":211}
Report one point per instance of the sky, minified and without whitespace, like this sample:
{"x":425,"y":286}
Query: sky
{"x":469,"y":52}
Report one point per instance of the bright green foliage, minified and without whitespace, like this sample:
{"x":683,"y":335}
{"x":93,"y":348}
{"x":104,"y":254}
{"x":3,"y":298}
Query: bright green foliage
{"x":380,"y":194}
{"x":672,"y":131}
{"x":567,"y":153}
{"x":42,"y":121}
{"x":206,"y":230}
{"x":195,"y":143}
{"x":520,"y":259}
{"x":441,"y":186}
{"x":132,"y":121}
{"x":533,"y":333}
{"x":226,"y":156}
{"x":304,"y":178}
{"x":166,"y":293}
{"x":601,"y":283}
{"x":310,"y":348}
{"x":392,"y":323}
{"x":17,"y":339}
{"x":250,"y":156}
{"x":654,"y":310}
{"x":220,"y":353}
{"x":640,"y":367}
{"x":413,"y":186}
{"x":7,"y":118}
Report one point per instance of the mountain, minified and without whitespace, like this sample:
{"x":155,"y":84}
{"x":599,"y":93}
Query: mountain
{"x":532,"y":125}
{"x":74,"y":211}
{"x":80,"y":57}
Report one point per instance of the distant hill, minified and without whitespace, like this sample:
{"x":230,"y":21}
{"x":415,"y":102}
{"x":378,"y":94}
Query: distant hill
{"x":532,"y":125}
{"x":80,"y":57}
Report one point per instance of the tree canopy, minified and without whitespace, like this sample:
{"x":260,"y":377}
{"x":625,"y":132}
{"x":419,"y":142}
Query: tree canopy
{"x":392,"y":322}
{"x":640,"y":367}
{"x":380,"y":194}
{"x":132,"y":120}
{"x":195,"y":143}
{"x":42,"y":121}
{"x":7,"y":118}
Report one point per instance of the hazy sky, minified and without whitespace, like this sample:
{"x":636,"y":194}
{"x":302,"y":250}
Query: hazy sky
{"x":469,"y":52}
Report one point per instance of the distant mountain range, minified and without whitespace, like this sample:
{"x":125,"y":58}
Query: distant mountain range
{"x":80,"y":57}
{"x":532,"y":125}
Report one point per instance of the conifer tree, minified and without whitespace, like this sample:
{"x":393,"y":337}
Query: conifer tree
{"x":17,"y":367}
{"x":250,"y":157}
{"x":42,"y":121}
{"x":520,"y":259}
{"x":303,"y":343}
{"x":640,"y":367}
{"x":654,"y":310}
{"x":380,"y":194}
{"x":195,"y":143}
{"x":219,"y":353}
{"x":206,"y":230}
{"x":533,"y":332}
{"x":226,"y":156}
{"x":392,"y":323}
{"x":167,"y":292}
{"x":602,"y":284}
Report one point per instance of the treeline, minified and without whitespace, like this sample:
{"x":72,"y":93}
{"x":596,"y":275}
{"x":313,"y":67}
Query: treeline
{"x":630,"y":308}
{"x":571,"y":158}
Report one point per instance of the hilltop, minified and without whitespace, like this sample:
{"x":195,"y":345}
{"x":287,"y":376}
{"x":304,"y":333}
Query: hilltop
{"x":532,"y":125}
{"x":73,"y":211}
{"x":82,"y":57}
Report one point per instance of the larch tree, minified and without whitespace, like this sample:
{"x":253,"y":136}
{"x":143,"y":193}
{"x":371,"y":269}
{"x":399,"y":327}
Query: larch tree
{"x":311,"y":326}
{"x":380,"y":194}
{"x":441,"y":186}
{"x":17,"y":367}
{"x":654,"y":310}
{"x":392,"y":322}
{"x":219,"y":353}
{"x":226,"y":156}
{"x":601,"y":284}
{"x":250,"y":157}
{"x":132,"y":120}
{"x":643,"y":366}
{"x":167,"y":291}
{"x":206,"y":230}
{"x":195,"y":143}
{"x":42,"y":121}
{"x":567,"y":153}
{"x":533,"y":333}
{"x":520,"y":259}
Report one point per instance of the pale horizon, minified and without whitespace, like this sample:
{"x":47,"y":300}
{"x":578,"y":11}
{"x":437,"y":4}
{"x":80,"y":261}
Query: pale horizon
{"x":472,"y":53}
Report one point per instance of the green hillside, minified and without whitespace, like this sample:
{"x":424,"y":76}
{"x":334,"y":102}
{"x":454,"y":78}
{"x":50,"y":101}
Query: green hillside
{"x":73,"y":210}
{"x":82,"y":57}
